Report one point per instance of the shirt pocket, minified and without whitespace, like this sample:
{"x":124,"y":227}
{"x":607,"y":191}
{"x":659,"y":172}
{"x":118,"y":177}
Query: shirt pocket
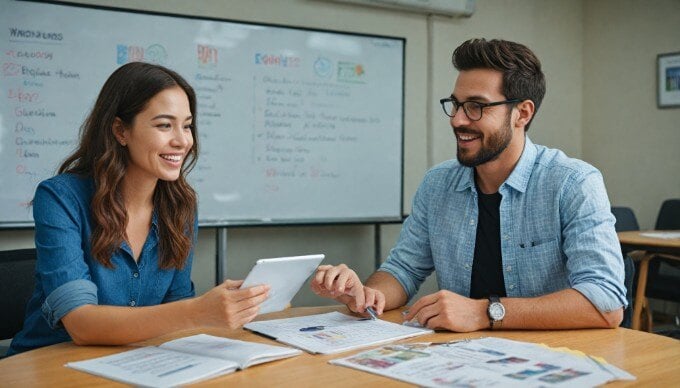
{"x":541,"y":267}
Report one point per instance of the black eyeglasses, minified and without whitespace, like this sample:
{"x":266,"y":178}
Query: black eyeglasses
{"x":472,"y":109}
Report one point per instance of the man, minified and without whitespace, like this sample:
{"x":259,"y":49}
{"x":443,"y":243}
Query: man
{"x":520,"y":235}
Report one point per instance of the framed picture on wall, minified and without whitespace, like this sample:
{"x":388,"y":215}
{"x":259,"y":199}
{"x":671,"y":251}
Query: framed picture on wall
{"x":668,"y":80}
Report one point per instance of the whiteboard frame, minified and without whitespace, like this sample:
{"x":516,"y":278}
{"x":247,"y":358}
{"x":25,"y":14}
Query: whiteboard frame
{"x":5,"y":225}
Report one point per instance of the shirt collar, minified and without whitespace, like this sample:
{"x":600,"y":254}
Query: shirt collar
{"x":519,"y":177}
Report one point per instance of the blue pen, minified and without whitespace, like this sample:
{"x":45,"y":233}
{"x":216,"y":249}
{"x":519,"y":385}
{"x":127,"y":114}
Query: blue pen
{"x":312,"y":328}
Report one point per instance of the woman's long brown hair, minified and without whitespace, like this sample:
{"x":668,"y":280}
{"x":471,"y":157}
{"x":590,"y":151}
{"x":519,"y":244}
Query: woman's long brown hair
{"x":99,"y":155}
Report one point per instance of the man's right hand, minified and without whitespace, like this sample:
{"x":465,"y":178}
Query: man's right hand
{"x":343,"y":285}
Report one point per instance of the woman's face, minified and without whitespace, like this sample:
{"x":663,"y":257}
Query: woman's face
{"x":159,"y":138}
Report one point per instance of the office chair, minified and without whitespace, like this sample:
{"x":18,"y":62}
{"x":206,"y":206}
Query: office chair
{"x":664,"y":286}
{"x":625,"y":221}
{"x":17,"y":281}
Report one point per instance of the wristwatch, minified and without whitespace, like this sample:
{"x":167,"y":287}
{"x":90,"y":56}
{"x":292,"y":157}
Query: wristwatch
{"x":496,"y":312}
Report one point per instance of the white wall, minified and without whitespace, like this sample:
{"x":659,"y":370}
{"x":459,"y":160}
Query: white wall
{"x":634,"y":144}
{"x":599,"y":104}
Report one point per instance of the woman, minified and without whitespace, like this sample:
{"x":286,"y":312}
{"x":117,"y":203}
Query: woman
{"x":115,"y":229}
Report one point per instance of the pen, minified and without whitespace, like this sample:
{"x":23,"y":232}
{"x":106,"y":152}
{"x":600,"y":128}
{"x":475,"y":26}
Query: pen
{"x":372,"y":313}
{"x":312,"y":328}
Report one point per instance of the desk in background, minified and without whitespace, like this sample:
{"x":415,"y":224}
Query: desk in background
{"x":651,"y":358}
{"x":651,"y":246}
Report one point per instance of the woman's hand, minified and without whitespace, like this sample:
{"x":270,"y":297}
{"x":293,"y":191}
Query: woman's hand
{"x":227,"y":305}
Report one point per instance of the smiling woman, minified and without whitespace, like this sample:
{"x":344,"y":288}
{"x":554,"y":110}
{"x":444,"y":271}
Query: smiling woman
{"x":115,"y":229}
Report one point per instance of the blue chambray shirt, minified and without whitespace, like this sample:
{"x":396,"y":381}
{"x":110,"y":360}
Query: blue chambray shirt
{"x":67,"y":275}
{"x":557,"y":231}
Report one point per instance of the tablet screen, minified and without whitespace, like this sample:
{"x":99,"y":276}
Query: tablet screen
{"x":285,"y":276}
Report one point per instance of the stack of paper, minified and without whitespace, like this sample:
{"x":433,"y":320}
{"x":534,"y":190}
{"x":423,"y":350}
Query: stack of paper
{"x":484,"y":362}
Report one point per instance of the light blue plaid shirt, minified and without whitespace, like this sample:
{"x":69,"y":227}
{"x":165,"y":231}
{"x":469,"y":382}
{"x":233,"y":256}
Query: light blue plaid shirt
{"x":557,"y":231}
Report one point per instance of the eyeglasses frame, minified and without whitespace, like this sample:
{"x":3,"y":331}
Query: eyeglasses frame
{"x":481,"y":104}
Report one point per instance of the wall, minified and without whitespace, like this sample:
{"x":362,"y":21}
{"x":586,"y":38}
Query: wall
{"x":580,"y":114}
{"x":634,"y":144}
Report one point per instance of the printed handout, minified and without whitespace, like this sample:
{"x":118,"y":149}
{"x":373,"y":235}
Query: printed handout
{"x":484,"y":362}
{"x":333,"y":332}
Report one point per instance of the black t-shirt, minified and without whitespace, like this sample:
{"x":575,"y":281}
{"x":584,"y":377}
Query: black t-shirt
{"x":487,"y":267}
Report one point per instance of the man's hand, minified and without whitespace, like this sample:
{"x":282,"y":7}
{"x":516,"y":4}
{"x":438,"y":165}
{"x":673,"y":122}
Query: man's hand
{"x":447,"y":310}
{"x":343,"y":285}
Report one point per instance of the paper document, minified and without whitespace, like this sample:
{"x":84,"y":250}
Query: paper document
{"x":664,"y":235}
{"x":484,"y":362}
{"x":182,"y":361}
{"x":333,"y":332}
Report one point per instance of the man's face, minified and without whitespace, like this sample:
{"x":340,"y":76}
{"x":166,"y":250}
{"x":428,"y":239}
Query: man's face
{"x":484,"y":140}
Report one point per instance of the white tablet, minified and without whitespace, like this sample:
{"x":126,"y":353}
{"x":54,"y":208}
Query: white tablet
{"x":285,"y":276}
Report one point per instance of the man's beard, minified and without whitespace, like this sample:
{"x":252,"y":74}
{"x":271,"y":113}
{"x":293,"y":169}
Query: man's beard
{"x":497,"y":143}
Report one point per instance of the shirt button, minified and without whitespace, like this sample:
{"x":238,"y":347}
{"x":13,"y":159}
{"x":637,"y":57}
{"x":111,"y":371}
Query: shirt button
{"x":133,"y":303}
{"x":136,"y":274}
{"x":506,"y":237}
{"x":509,"y":268}
{"x":472,"y":222}
{"x":512,"y":286}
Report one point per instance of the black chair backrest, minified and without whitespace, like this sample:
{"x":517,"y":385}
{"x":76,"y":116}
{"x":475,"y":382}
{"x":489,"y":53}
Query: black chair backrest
{"x":664,"y":284}
{"x":628,"y":281}
{"x":17,"y":280}
{"x":669,"y":215}
{"x":625,"y":219}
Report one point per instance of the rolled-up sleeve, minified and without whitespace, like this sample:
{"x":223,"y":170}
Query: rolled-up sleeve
{"x":61,"y":268}
{"x":594,"y":259}
{"x":66,"y":298}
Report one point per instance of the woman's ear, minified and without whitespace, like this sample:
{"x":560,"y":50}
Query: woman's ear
{"x":526,"y":110}
{"x":119,"y":132}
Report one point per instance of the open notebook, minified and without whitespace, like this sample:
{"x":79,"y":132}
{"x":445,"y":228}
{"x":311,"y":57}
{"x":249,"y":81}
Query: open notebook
{"x":182,"y":361}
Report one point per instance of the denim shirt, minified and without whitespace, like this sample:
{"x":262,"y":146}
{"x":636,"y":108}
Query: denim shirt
{"x":557,"y":231}
{"x":67,"y":275}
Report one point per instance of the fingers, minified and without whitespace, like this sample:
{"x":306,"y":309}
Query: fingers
{"x":344,"y":281}
{"x":360,"y":298}
{"x":375,"y":299}
{"x":421,"y":303}
{"x":237,"y":295}
{"x":321,"y":274}
{"x":336,"y":280}
{"x":371,"y":298}
{"x":427,"y":316}
{"x":232,"y":284}
{"x":331,"y":274}
{"x":241,"y":306}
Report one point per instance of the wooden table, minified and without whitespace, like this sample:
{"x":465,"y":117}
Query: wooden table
{"x":653,"y":359}
{"x":651,"y":247}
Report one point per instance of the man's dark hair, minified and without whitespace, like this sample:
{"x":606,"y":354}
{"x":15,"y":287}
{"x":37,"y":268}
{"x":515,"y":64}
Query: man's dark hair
{"x":522,"y":75}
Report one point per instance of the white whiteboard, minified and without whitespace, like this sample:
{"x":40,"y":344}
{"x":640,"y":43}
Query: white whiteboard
{"x":295,"y":125}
